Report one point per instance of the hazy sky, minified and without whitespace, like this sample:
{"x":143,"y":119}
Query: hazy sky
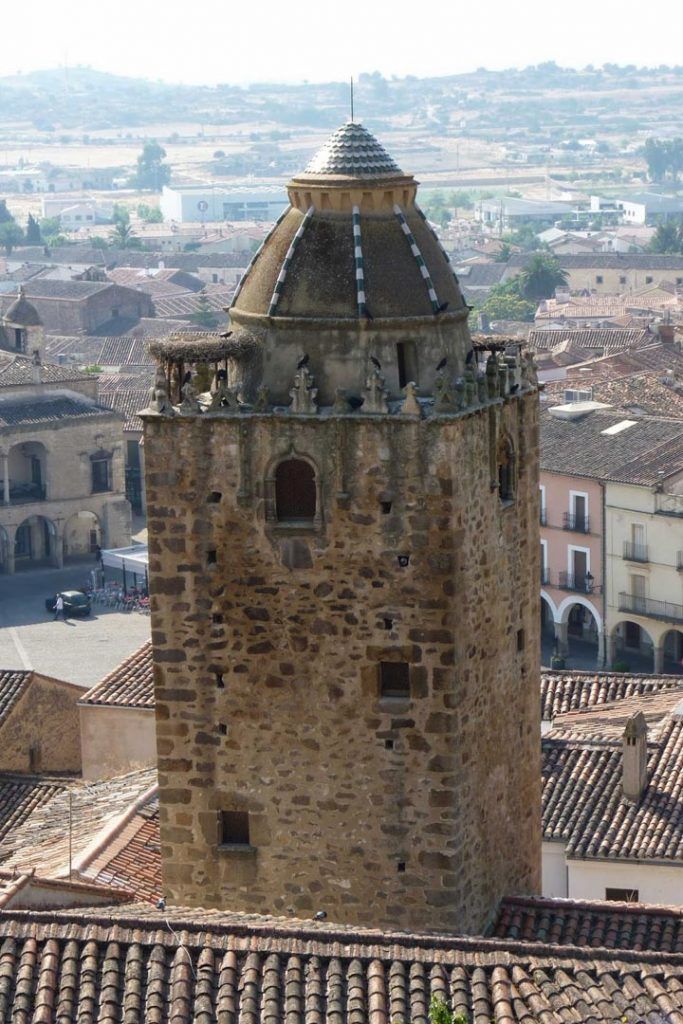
{"x":273,"y":40}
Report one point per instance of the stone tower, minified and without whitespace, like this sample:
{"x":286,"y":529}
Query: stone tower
{"x":344,"y":561}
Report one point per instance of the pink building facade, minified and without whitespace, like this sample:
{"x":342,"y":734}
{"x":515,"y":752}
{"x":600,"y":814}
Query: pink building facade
{"x":572,"y":568}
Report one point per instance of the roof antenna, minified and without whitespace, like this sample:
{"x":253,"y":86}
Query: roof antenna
{"x":352,"y":99}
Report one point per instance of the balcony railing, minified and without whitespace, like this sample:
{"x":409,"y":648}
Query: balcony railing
{"x":545,"y":576}
{"x":635,"y":552}
{"x":652,"y":609}
{"x":669,"y":504}
{"x":579,"y":524}
{"x":584,"y":584}
{"x":21,"y":493}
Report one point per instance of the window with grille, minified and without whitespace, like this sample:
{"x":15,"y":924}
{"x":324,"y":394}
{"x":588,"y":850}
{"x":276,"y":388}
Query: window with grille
{"x":295,"y":492}
{"x":394,"y":679}
{"x":622,"y":895}
{"x":233,"y":828}
{"x":101,"y":475}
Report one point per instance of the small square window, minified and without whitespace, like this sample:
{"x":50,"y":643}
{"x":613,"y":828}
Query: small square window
{"x":599,"y":279}
{"x":386,"y":507}
{"x":220,"y":681}
{"x":401,"y":866}
{"x":222,"y":729}
{"x":211,"y":556}
{"x":214,"y":497}
{"x":394,"y":679}
{"x":520,"y":639}
{"x":233,"y":828}
{"x":217,"y":618}
{"x":388,"y":623}
{"x":622,"y":895}
{"x":648,"y":280}
{"x":622,"y":279}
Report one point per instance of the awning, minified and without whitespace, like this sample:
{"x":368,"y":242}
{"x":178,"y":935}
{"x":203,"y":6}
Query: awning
{"x":132,"y":559}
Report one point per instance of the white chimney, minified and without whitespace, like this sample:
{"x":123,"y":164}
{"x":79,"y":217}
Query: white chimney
{"x":634,"y":749}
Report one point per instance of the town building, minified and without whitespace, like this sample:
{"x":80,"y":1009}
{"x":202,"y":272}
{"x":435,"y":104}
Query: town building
{"x":61,"y":460}
{"x":39,"y":730}
{"x":117,"y":727}
{"x":336,"y":581}
{"x":650,"y":208}
{"x":611,"y":273}
{"x":612,"y":490}
{"x":611,"y":825}
{"x":84,"y":307}
{"x":201,"y":203}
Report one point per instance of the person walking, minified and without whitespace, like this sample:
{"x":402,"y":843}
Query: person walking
{"x":59,"y":607}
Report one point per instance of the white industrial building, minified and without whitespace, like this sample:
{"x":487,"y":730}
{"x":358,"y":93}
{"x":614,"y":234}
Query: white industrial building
{"x":211,"y":203}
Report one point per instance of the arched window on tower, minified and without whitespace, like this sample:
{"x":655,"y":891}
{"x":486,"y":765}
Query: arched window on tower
{"x":506,"y":470}
{"x":295,"y":492}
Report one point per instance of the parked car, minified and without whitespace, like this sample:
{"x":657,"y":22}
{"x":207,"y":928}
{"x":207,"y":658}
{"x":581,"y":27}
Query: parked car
{"x":75,"y":602}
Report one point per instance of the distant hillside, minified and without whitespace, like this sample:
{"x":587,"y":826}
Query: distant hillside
{"x":85,"y":100}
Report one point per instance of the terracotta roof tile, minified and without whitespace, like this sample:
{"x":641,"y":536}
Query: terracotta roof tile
{"x":21,"y":796}
{"x":46,"y":408}
{"x":13,"y":685}
{"x":130,"y":684}
{"x":140,"y":965}
{"x":590,"y":923}
{"x":583,"y":804}
{"x":572,"y":691}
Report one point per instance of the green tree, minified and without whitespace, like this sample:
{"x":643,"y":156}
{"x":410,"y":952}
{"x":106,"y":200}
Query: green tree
{"x":5,"y":215}
{"x":440,"y":1014}
{"x":504,"y":302}
{"x":33,"y":235}
{"x":541,"y":276}
{"x":668,"y":238}
{"x":11,"y":235}
{"x":50,"y":226}
{"x":122,"y":235}
{"x":204,"y":317}
{"x":503,"y":254}
{"x":152,"y":172}
{"x":150,"y":214}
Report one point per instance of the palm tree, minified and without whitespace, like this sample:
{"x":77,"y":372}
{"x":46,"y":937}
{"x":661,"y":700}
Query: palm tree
{"x":122,"y":235}
{"x":541,"y":276}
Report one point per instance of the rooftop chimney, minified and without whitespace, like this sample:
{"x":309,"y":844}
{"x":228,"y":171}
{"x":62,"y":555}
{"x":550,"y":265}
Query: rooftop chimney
{"x":634,"y":747}
{"x":37,"y":367}
{"x":666,"y":333}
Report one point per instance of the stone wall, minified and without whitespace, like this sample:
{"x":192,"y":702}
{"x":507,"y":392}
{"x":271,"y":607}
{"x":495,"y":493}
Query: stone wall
{"x":414,"y":813}
{"x":41,"y":733}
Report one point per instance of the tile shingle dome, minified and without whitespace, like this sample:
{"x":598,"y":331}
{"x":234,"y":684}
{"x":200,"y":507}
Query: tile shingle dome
{"x":22,"y":312}
{"x":354,"y":152}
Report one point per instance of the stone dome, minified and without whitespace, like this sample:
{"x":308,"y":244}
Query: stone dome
{"x":22,"y":313}
{"x":352,"y":245}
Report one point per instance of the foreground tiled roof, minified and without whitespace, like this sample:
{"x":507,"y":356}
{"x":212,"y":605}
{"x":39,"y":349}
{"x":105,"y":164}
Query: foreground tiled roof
{"x":189,"y":304}
{"x":130,"y":684}
{"x":129,"y":401}
{"x":588,"y":923}
{"x":573,"y":691}
{"x":61,"y":830}
{"x":131,"y":861}
{"x":13,"y":886}
{"x":644,"y":392}
{"x":607,"y":339}
{"x":140,"y":965}
{"x":21,"y":796}
{"x":583,"y":802}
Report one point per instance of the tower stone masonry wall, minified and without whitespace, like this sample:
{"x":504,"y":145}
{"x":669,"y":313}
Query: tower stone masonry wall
{"x":416,"y":813}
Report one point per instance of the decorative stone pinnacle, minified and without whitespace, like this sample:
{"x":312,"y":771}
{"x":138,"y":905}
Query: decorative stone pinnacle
{"x":262,"y":403}
{"x":411,"y":406}
{"x":445,"y":396}
{"x":341,"y":404}
{"x":189,"y":405}
{"x":303,"y":393}
{"x":375,"y":393}
{"x":223,"y":398}
{"x":158,"y":396}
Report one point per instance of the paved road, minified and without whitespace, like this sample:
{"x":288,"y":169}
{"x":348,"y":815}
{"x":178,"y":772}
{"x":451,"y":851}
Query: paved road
{"x":79,"y":650}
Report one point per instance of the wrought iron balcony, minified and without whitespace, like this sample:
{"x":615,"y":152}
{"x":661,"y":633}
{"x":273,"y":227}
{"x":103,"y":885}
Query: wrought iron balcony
{"x":635,"y":552}
{"x":578,"y":524}
{"x":22,"y":493}
{"x":584,"y":584}
{"x":649,"y":607}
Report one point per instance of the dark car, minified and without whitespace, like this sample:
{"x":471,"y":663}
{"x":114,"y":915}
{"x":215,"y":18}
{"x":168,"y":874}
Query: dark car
{"x":75,"y":602}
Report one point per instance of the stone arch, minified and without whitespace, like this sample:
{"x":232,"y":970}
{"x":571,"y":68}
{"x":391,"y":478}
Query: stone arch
{"x":632,"y":643}
{"x":579,"y":628}
{"x":82,"y":535}
{"x":37,"y":543}
{"x":297,"y":499}
{"x":672,"y":651}
{"x":566,"y":606}
{"x":27,"y":466}
{"x":548,"y":618}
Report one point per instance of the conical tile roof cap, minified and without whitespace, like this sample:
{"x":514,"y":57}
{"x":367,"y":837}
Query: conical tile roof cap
{"x":22,"y":312}
{"x":354,"y":152}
